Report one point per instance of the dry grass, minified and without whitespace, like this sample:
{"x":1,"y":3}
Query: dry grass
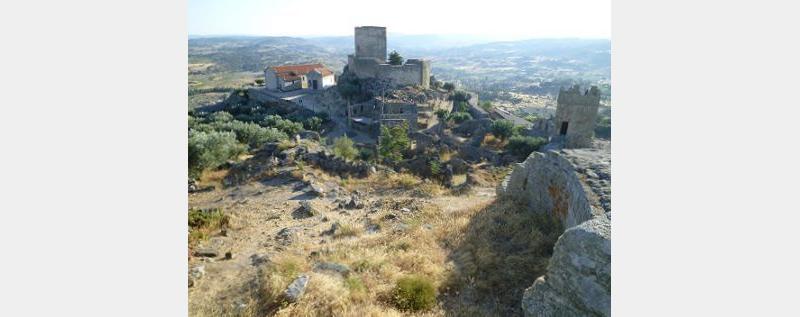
{"x":478,"y":260}
{"x":404,"y":183}
{"x":212,"y":178}
{"x":494,"y":142}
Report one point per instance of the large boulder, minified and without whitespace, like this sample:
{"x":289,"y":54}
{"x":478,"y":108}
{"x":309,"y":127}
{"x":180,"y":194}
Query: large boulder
{"x":578,"y":279}
{"x":547,"y":182}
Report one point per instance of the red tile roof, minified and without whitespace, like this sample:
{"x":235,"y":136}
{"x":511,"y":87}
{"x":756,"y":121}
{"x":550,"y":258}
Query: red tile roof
{"x":293,"y":72}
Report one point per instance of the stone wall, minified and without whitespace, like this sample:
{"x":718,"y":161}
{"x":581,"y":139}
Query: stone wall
{"x":579,"y":111}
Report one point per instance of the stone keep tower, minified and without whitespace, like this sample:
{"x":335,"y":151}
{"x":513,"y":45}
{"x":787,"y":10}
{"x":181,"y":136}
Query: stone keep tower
{"x":575,"y":116}
{"x":371,"y":42}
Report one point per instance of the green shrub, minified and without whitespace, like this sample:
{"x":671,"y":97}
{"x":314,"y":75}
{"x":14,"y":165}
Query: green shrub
{"x":459,"y":117}
{"x":252,"y":134}
{"x":449,"y":86}
{"x":259,"y":81}
{"x":460,"y":96}
{"x":460,"y":106}
{"x":435,"y":167}
{"x":487,"y":105}
{"x":394,"y":140}
{"x":221,"y":116}
{"x":366,"y":154}
{"x":211,"y":149}
{"x":414,"y":294}
{"x":603,"y":128}
{"x":522,"y":146}
{"x":314,"y":123}
{"x":343,"y":148}
{"x":284,"y":125}
{"x":211,"y":218}
{"x":441,"y":114}
{"x":502,"y":129}
{"x":203,"y":222}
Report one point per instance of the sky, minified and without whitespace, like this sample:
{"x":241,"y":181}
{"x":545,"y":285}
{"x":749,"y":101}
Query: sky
{"x":500,"y":19}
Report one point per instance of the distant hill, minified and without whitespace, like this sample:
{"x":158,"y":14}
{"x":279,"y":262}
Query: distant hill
{"x":533,"y":66}
{"x":253,"y":54}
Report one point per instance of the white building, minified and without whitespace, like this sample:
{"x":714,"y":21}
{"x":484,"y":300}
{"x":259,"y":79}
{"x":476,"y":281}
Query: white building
{"x":293,"y":77}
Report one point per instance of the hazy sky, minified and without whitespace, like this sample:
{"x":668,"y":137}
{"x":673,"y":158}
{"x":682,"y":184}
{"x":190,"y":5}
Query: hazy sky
{"x":502,"y":19}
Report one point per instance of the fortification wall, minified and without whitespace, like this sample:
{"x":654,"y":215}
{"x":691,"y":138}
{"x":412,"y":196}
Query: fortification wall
{"x":407,"y":74}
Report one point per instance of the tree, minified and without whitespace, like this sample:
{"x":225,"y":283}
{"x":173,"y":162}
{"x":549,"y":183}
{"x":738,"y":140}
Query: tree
{"x":449,"y":86}
{"x":211,"y":149}
{"x":394,"y":140}
{"x":395,"y":58}
{"x":343,"y":148}
{"x":459,"y":117}
{"x":502,"y":129}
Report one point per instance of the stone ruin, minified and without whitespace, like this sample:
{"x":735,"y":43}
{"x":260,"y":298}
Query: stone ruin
{"x":575,"y":118}
{"x":578,"y":278}
{"x":369,"y":60}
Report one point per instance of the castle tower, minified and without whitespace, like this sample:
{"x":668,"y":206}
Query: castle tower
{"x":575,"y":116}
{"x":371,"y":42}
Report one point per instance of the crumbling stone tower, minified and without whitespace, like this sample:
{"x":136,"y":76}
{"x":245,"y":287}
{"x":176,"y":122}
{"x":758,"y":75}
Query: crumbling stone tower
{"x":575,"y":116}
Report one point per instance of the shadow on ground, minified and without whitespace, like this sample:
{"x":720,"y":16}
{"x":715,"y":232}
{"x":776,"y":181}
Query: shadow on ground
{"x":504,"y":248}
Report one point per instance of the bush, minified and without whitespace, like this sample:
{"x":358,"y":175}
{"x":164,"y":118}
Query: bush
{"x":343,"y":148}
{"x":394,"y":140}
{"x":284,"y":125}
{"x":603,"y":128}
{"x":449,"y":86}
{"x":435,"y":167}
{"x":460,"y":96}
{"x":459,"y":117}
{"x":460,"y":106}
{"x":259,"y":81}
{"x":252,"y":134}
{"x":221,"y":116}
{"x":441,"y":114}
{"x":522,"y":146}
{"x":414,"y":293}
{"x":486,"y":105}
{"x":502,"y":129}
{"x":314,"y":123}
{"x":366,"y":154}
{"x":203,"y":222}
{"x":211,"y":149}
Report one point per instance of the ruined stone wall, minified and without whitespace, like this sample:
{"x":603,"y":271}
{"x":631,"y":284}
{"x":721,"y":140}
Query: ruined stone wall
{"x":579,"y":110}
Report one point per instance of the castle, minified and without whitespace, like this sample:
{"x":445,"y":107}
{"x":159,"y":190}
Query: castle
{"x":575,"y":116}
{"x":369,"y":60}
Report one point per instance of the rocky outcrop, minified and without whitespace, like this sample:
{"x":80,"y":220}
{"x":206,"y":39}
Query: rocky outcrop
{"x":547,"y":182}
{"x":578,"y":279}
